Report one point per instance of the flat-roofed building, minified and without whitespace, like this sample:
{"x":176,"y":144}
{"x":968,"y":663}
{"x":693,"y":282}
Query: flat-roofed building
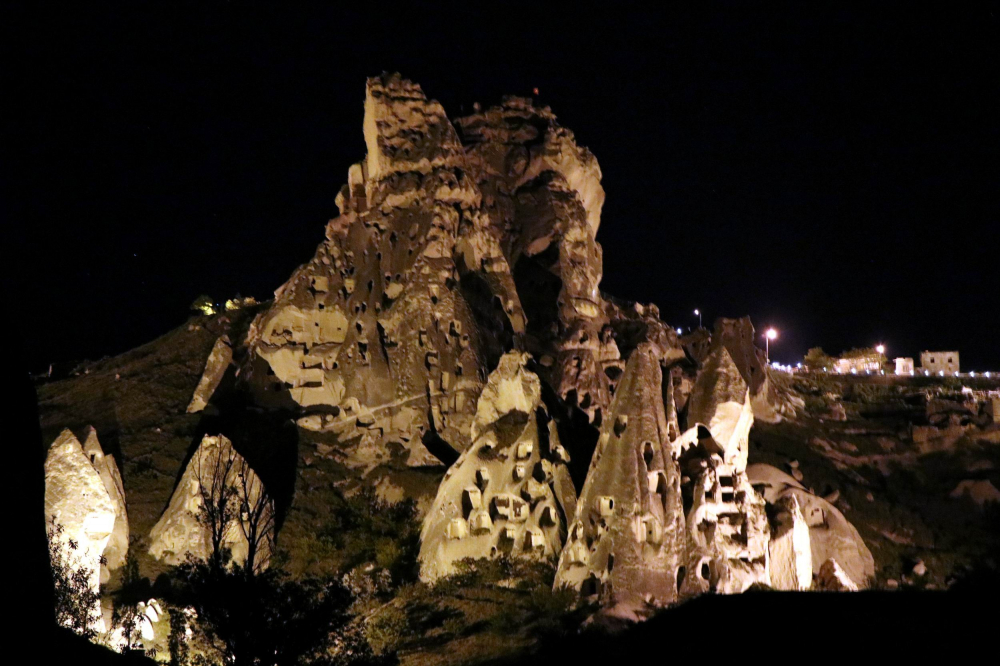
{"x":904,"y":366}
{"x":939,"y":361}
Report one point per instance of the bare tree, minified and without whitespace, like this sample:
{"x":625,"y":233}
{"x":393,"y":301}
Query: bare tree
{"x":234,"y":503}
{"x":256,"y":519}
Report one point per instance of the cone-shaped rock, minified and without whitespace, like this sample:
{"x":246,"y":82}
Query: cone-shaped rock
{"x":78,"y":508}
{"x":507,"y":493}
{"x":624,"y":544}
{"x":219,"y":503}
{"x":117,"y":548}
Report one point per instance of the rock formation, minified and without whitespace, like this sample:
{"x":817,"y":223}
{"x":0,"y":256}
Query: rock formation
{"x":509,"y":492}
{"x":625,"y":543}
{"x":790,"y":549}
{"x":219,"y":504}
{"x":831,"y":578}
{"x":467,"y":249}
{"x":117,"y":548}
{"x":78,"y":507}
{"x":727,"y":527}
{"x":831,"y":535}
{"x":215,"y":367}
{"x":390,"y":331}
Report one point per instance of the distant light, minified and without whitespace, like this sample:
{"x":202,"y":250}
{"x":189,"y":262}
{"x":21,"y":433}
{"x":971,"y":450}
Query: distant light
{"x":854,"y":371}
{"x":972,"y":374}
{"x":798,"y":365}
{"x":941,"y":372}
{"x":987,"y":373}
{"x":880,"y":349}
{"x":696,"y":311}
{"x":771,"y":334}
{"x":679,"y":331}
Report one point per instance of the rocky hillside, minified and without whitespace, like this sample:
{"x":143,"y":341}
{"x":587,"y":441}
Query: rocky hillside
{"x":442,"y":411}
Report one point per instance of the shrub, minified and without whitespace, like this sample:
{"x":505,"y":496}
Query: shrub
{"x":77,"y":606}
{"x":366,"y":528}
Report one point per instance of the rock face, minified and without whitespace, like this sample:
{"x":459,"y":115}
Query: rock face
{"x":465,"y":252}
{"x":117,"y":548}
{"x":727,"y":527}
{"x":389,"y":332}
{"x":508,"y":493}
{"x":831,"y":578}
{"x":831,"y":535}
{"x":215,"y":367}
{"x":77,"y":499}
{"x":455,"y":243}
{"x":789,"y":549}
{"x":626,"y":540}
{"x":219,"y":503}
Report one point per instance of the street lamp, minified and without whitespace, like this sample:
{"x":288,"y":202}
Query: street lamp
{"x":880,"y":349}
{"x":698,"y":312}
{"x":771,"y":334}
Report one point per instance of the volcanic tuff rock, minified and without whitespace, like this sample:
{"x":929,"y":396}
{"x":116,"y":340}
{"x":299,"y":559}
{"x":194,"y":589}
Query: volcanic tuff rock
{"x":455,"y":243}
{"x":77,"y":499}
{"x":117,"y":548}
{"x":626,"y":540}
{"x":239,"y":514}
{"x":389,"y":332}
{"x":831,"y":535}
{"x":215,"y":367}
{"x":789,"y":549}
{"x":727,"y":527}
{"x":509,"y":491}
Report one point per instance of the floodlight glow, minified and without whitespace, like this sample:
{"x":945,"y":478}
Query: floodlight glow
{"x":880,"y":349}
{"x":696,"y":312}
{"x":771,"y":334}
{"x":679,"y":331}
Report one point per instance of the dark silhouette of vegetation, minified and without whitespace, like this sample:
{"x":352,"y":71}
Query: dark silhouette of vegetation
{"x":818,"y":360}
{"x":233,"y":501}
{"x":77,"y":606}
{"x":264,"y":618}
{"x":366,"y":528}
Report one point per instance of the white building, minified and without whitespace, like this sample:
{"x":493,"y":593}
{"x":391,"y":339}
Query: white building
{"x":939,"y":361}
{"x":904,"y":366}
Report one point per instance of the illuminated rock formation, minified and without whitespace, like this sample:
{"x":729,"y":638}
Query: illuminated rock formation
{"x":831,"y":535}
{"x":215,"y":367}
{"x":790,"y":549}
{"x":545,"y":199}
{"x":219,"y":504}
{"x":832,"y":578}
{"x":727,"y":524}
{"x":117,"y":548}
{"x":389,"y":332}
{"x":509,"y":491}
{"x":79,"y":511}
{"x":625,"y":543}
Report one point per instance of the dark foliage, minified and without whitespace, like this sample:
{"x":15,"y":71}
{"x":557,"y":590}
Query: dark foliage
{"x":265,"y":618}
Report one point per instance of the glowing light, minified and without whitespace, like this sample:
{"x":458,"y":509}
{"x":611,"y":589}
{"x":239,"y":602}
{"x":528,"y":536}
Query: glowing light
{"x":771,"y":334}
{"x":987,"y":373}
{"x":972,"y":374}
{"x":880,"y":349}
{"x":697,"y":312}
{"x":679,"y":331}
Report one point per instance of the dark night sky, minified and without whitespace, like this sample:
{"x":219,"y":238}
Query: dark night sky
{"x":831,"y":174}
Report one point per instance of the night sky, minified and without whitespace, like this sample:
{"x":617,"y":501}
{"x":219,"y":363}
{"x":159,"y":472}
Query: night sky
{"x":830,"y":174}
